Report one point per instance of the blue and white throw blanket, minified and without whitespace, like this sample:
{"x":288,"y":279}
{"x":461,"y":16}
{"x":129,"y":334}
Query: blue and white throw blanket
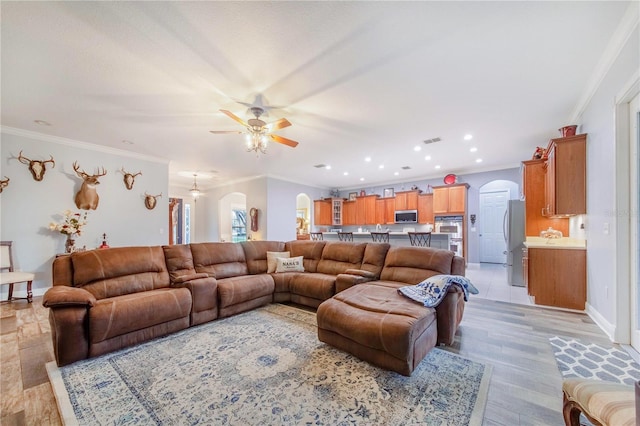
{"x":432,"y":291}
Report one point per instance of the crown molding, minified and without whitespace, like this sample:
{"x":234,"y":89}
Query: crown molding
{"x":79,"y":144}
{"x":617,"y":42}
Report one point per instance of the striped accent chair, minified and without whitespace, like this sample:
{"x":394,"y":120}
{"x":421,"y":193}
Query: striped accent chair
{"x":602,"y":403}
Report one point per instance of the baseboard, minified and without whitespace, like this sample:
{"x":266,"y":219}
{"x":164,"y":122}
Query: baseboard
{"x":608,"y":328}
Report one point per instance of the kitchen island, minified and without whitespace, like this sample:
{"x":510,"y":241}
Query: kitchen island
{"x":438,"y":239}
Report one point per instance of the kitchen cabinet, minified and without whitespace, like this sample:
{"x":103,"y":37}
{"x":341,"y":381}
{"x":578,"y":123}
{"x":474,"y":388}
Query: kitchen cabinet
{"x":533,"y":183}
{"x":322,"y":212}
{"x":366,"y":210}
{"x":450,"y":199}
{"x":406,"y":200}
{"x":425,"y":208}
{"x":390,"y":210}
{"x":349,"y":213}
{"x":557,"y":277}
{"x":566,"y":176}
{"x":336,"y":211}
{"x":381,"y":211}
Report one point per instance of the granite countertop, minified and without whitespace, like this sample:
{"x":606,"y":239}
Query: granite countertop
{"x":556,"y":243}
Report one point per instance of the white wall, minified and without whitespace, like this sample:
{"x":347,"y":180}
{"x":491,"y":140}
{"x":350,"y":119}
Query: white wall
{"x":274,"y":198}
{"x":598,"y":120}
{"x":27,"y":207}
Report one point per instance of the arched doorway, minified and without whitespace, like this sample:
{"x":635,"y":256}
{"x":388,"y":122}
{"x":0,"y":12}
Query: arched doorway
{"x":303,"y":215}
{"x":232,"y":214}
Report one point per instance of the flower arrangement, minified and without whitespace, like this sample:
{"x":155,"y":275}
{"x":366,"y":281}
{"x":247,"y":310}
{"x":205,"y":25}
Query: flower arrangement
{"x":71,"y":224}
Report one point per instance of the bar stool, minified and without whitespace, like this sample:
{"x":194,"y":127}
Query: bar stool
{"x":345,"y":236}
{"x":380,"y":237}
{"x":316,"y":236}
{"x":420,"y":239}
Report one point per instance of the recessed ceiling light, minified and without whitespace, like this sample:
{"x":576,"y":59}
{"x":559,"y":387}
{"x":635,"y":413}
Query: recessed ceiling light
{"x":474,"y":149}
{"x":468,"y":137}
{"x":438,"y":166}
{"x":396,"y":173}
{"x":127,"y":142}
{"x":367,"y":159}
{"x":328,"y":167}
{"x":381,"y":166}
{"x":42,"y":123}
{"x":361,"y":179}
{"x":479,"y":160}
{"x":417,"y":148}
{"x":428,"y":158}
{"x":346,"y":173}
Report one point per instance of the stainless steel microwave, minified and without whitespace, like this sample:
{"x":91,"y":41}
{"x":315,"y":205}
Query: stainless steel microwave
{"x":406,"y":216}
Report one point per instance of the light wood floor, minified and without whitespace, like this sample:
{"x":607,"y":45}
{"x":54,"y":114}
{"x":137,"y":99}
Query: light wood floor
{"x":525,"y":385}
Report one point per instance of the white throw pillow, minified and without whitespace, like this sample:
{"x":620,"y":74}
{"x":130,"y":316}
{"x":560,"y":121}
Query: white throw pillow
{"x":271,"y":259}
{"x":293,"y":264}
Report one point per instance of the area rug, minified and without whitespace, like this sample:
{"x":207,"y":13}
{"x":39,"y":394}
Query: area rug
{"x":264,"y":367}
{"x":576,"y":358}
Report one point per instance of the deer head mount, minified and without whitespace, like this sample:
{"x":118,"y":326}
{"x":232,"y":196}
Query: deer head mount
{"x":4,"y":183}
{"x":129,"y":178}
{"x":36,"y":167}
{"x":87,"y":198}
{"x":151,"y":200}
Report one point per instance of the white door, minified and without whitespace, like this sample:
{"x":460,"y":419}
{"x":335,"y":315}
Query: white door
{"x":493,"y":206}
{"x":634,"y":203}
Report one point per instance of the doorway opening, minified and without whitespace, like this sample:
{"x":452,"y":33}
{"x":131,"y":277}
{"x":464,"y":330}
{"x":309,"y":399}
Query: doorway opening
{"x":232,"y":213}
{"x":303,"y":218}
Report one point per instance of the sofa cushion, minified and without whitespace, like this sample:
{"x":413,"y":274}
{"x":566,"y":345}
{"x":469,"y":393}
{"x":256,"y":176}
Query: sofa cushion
{"x":339,"y":256}
{"x":293,"y":264}
{"x":119,"y":271}
{"x":120,"y":315}
{"x":411,"y":265}
{"x":219,"y":260}
{"x":313,"y":285}
{"x":374,"y":256}
{"x":179,"y":260}
{"x":255,"y":253}
{"x":272,"y":260}
{"x":236,"y":290}
{"x":310,"y":250}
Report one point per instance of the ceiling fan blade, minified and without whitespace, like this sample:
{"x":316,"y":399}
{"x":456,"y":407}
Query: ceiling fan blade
{"x":221,"y":132}
{"x":284,"y":141}
{"x":279,"y":124}
{"x":234,"y":117}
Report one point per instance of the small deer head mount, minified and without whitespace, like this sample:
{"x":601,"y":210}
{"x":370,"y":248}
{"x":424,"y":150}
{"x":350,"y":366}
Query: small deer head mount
{"x":129,"y":178}
{"x":4,"y":183}
{"x":151,"y":200}
{"x":87,"y":198}
{"x":36,"y":167}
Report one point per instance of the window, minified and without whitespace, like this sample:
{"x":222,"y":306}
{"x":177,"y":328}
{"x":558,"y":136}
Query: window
{"x":238,"y":225}
{"x":187,"y":223}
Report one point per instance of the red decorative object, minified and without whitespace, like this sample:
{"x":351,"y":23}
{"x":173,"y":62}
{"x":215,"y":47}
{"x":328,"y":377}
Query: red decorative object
{"x":450,"y":179}
{"x":104,"y":244}
{"x":567,"y":131}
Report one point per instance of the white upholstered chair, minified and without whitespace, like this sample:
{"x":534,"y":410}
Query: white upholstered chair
{"x":10,"y":277}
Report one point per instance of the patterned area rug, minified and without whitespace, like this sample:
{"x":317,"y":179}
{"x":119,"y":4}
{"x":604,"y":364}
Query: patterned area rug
{"x":264,"y":367}
{"x":591,"y":361}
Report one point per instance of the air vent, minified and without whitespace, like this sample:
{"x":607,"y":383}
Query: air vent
{"x":320,"y":166}
{"x":406,"y":167}
{"x":429,"y":141}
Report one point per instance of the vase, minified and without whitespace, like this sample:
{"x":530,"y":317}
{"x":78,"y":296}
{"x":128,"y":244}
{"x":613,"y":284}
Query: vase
{"x":70,"y":244}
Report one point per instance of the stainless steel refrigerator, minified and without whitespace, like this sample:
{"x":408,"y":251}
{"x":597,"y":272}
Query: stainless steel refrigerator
{"x":513,"y":229}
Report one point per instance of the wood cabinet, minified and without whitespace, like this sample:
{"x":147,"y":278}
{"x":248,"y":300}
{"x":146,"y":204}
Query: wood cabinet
{"x":406,"y":200}
{"x":566,"y":176}
{"x":322,"y":212}
{"x":390,"y":210}
{"x":366,"y":210}
{"x":381,"y":210}
{"x":557,"y":277}
{"x":450,"y":199}
{"x":336,"y":211}
{"x":425,"y":208}
{"x":349,"y":213}
{"x":533,"y":183}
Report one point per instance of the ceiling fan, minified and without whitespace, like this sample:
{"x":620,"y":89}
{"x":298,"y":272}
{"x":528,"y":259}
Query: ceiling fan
{"x":259,"y":132}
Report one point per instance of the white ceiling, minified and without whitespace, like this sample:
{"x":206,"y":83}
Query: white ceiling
{"x":355,"y":79}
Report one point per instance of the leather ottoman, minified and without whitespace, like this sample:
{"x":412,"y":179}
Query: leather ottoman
{"x":378,"y":325}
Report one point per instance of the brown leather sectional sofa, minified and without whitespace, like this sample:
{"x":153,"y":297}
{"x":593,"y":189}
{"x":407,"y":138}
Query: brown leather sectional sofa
{"x":104,"y":300}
